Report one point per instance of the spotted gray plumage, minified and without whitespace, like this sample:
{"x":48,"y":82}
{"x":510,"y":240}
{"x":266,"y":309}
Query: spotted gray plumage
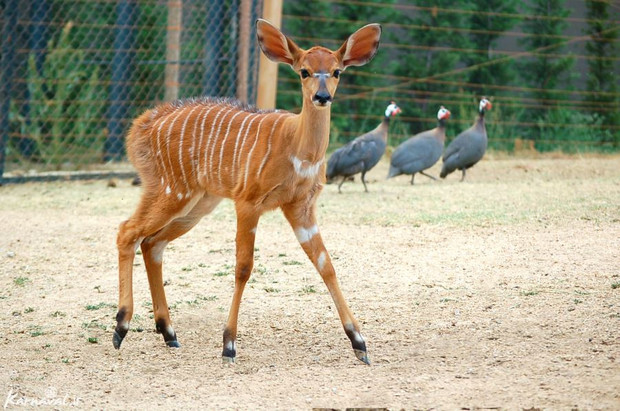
{"x":468,"y":147}
{"x":363,"y":153}
{"x":421,"y":151}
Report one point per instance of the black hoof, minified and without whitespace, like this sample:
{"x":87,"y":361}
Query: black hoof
{"x":170,"y":337}
{"x":229,"y":352}
{"x":362,"y":356}
{"x":119,"y":335}
{"x":228,"y":360}
{"x":173,"y":344}
{"x":358,"y":343}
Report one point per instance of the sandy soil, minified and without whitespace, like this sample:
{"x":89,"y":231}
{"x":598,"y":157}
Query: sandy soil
{"x":500,"y":292}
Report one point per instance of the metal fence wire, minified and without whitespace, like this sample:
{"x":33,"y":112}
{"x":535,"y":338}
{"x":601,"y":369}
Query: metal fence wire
{"x":74,"y":73}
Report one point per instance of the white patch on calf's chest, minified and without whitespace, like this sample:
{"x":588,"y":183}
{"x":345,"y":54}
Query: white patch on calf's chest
{"x":305,"y":169}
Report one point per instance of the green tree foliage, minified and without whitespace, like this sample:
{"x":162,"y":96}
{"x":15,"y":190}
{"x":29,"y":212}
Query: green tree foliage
{"x":66,"y":106}
{"x":602,"y":79}
{"x":544,"y":71}
{"x":489,"y":20}
{"x":429,"y":44}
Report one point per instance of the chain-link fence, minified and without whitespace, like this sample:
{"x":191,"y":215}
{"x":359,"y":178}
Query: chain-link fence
{"x":75,"y":72}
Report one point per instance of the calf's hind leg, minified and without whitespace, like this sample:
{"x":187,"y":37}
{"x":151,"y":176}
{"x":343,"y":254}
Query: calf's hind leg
{"x":152,"y":252}
{"x":158,"y":228}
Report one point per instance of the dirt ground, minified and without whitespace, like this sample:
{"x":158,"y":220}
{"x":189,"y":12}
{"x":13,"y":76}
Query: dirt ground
{"x":499,"y":292}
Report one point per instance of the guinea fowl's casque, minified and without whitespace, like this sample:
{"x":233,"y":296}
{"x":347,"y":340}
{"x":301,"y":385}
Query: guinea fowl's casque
{"x":468,"y":147}
{"x":421,"y":151}
{"x":363,"y":153}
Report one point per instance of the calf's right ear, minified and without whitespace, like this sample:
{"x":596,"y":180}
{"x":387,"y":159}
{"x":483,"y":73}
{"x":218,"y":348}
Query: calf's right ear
{"x":276,"y":46}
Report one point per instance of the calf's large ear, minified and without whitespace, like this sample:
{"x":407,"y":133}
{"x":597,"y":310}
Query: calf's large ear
{"x":361,"y":46}
{"x":276,"y":46}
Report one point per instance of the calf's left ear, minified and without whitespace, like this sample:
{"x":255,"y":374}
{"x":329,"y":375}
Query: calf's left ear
{"x":361,"y":46}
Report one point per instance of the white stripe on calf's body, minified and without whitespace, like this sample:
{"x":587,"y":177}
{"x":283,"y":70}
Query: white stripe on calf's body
{"x":208,"y":142}
{"x":223,"y":146}
{"x":181,"y":162}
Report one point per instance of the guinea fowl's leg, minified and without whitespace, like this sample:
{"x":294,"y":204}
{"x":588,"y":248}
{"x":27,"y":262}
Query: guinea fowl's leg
{"x":463,"y":177}
{"x":428,"y":175}
{"x":412,"y":176}
{"x":363,"y":181}
{"x":341,"y":183}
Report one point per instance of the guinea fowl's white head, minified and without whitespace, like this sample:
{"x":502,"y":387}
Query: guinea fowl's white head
{"x":443,"y":113}
{"x":484,"y":105}
{"x":392,"y":110}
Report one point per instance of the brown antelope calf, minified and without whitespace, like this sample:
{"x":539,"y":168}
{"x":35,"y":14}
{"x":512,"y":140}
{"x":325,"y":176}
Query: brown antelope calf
{"x":192,"y":153}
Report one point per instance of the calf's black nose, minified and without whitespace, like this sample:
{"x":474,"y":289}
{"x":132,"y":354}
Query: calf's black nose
{"x":322,"y":97}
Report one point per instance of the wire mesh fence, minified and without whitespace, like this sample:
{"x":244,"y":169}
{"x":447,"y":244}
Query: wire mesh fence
{"x":75,"y":73}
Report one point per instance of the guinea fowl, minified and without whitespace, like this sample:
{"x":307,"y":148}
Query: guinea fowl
{"x":363,"y":153}
{"x":421,"y":151}
{"x":468,"y":147}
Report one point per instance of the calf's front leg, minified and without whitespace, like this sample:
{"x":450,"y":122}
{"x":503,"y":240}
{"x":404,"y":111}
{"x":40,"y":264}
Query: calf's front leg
{"x":302,"y":219}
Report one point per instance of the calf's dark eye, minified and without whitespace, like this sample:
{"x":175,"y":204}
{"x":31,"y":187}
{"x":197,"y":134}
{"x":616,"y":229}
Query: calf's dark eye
{"x":304,"y":73}
{"x":337,"y":73}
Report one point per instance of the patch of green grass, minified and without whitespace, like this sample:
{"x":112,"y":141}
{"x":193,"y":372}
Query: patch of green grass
{"x":292,"y":262}
{"x":271,"y":290}
{"x":308,"y":289}
{"x":36,"y":331}
{"x":227,"y":269}
{"x":94,"y":324}
{"x":529,"y":293}
{"x":615,"y":286}
{"x":93,"y":340}
{"x":21,"y":281}
{"x":29,"y":310}
{"x":93,"y":307}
